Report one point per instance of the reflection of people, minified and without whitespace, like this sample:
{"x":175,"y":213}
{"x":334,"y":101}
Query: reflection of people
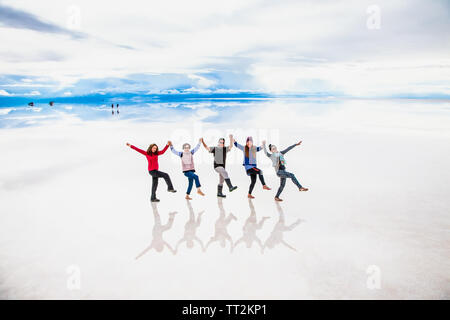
{"x":250,"y":164}
{"x":276,"y":237}
{"x":190,"y":228}
{"x":250,"y":227}
{"x":152,"y":155}
{"x":187,"y":164}
{"x":220,"y":157}
{"x":158,"y":242}
{"x":221,"y":233}
{"x":279,"y":163}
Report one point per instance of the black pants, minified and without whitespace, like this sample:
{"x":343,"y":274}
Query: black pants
{"x":159,"y":174}
{"x":253,"y":172}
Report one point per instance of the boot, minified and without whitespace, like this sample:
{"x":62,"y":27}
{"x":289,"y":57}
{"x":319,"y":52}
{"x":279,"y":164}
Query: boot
{"x":219,"y":192}
{"x":230,"y":186}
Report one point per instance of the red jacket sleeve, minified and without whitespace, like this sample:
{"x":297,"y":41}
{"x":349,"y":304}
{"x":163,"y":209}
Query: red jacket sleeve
{"x":163,"y":150}
{"x":138,"y":150}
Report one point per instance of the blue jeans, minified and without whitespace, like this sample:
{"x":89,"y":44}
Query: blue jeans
{"x":191,"y":177}
{"x":283,"y":174}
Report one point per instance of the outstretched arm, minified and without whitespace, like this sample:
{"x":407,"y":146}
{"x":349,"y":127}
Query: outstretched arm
{"x":137,"y":149}
{"x":231,"y":142}
{"x":288,"y":245}
{"x":144,"y":252}
{"x":239,"y":146}
{"x":175,"y":152}
{"x":290,"y":147}
{"x":206,"y":147}
{"x":265,"y":149}
{"x":196,"y":147}
{"x":165,"y":148}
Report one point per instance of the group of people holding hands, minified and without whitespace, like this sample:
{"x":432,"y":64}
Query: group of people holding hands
{"x":220,"y":155}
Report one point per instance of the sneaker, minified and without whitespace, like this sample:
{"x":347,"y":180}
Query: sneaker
{"x":200,"y":192}
{"x":154,"y":200}
{"x":266,"y":188}
{"x":172,"y":190}
{"x":221,"y":195}
{"x":188,"y":198}
{"x":232,"y":188}
{"x":303,"y":189}
{"x":250,"y":196}
{"x":278,"y":199}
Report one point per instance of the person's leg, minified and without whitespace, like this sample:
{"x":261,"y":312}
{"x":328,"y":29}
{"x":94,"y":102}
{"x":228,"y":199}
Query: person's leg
{"x":294,"y":179}
{"x":154,"y":184}
{"x":261,"y":178}
{"x":197,"y":184}
{"x":166,"y":177}
{"x":252,"y":182}
{"x":197,"y":180}
{"x":282,"y":184}
{"x":190,"y":182}
{"x":220,"y":170}
{"x":224,"y":177}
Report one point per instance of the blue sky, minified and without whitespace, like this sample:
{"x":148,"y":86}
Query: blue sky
{"x":78,"y":48}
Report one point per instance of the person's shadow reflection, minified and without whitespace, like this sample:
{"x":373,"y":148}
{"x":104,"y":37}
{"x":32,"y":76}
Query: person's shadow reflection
{"x":249,"y":230}
{"x":190,"y":229}
{"x":158,"y":243}
{"x":221,"y":233}
{"x":276,"y":236}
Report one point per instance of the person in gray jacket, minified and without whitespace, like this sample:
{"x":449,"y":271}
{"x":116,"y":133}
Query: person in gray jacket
{"x":279,"y":163}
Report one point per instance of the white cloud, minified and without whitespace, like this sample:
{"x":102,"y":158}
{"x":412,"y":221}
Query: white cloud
{"x":4,"y":93}
{"x":289,"y":46}
{"x":33,"y":93}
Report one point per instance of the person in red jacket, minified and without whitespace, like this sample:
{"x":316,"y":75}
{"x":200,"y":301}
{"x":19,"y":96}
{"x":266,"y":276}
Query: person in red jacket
{"x":152,"y":155}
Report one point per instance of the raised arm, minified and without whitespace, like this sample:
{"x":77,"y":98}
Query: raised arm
{"x":239,"y":146}
{"x":265,"y":150}
{"x":175,"y":152}
{"x":206,"y":147}
{"x":231,"y":143}
{"x":137,"y":149}
{"x":291,"y":147}
{"x":288,"y":149}
{"x":196,"y":147}
{"x":164,"y":150}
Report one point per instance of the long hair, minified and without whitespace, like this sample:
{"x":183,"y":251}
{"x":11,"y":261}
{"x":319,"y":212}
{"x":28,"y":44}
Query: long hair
{"x":149,"y":150}
{"x":247,"y":149}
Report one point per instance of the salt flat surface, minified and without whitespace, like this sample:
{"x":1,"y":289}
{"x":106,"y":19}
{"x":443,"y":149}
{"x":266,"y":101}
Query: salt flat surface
{"x":74,"y":204}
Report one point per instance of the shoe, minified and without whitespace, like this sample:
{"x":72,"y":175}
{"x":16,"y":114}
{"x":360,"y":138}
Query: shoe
{"x":278,"y":199}
{"x":188,"y":198}
{"x":303,"y":189}
{"x":266,"y":187}
{"x":233,"y":188}
{"x":219,"y":192}
{"x":250,"y":196}
{"x":200,"y":192}
{"x":154,"y":200}
{"x":172,"y":190}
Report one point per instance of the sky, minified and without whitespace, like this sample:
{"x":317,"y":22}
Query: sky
{"x":338,"y":48}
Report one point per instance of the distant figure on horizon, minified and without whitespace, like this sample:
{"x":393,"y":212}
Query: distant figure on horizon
{"x":152,"y":155}
{"x":220,"y":156}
